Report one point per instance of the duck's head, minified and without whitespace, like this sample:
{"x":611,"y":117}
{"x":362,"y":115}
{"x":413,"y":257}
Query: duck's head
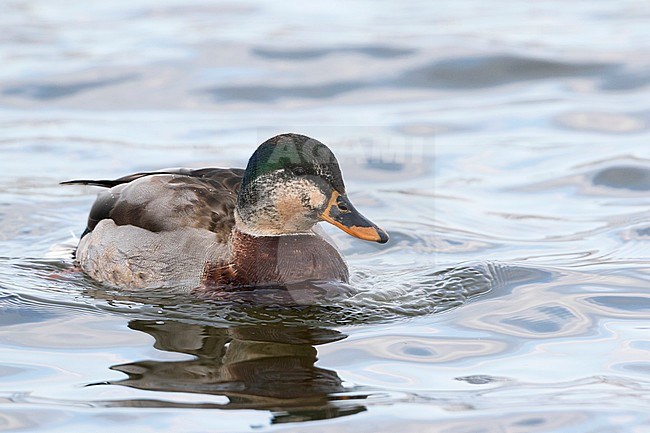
{"x":291,"y":183}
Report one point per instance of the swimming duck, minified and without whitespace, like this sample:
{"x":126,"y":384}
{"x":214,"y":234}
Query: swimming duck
{"x":189,"y":228}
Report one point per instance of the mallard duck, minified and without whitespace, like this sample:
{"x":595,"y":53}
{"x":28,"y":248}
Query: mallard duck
{"x":188,"y":228}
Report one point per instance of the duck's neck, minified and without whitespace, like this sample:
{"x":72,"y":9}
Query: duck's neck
{"x":284,"y":259}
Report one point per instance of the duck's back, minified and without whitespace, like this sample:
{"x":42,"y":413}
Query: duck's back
{"x":169,"y":200}
{"x":159,"y":228}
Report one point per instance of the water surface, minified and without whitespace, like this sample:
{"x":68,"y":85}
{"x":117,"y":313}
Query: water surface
{"x":504,"y":147}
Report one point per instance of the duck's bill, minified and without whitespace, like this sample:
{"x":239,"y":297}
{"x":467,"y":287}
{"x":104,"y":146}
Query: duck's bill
{"x":342,"y":214}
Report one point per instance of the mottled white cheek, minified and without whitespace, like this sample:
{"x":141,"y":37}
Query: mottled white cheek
{"x":302,"y":187}
{"x":316,"y":197}
{"x":285,"y":207}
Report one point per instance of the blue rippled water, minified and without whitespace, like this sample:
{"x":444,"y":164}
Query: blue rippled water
{"x":505,"y":147}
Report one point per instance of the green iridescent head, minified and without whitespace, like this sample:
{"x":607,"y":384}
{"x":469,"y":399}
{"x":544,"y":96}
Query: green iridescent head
{"x":298,"y":154}
{"x":291,"y":183}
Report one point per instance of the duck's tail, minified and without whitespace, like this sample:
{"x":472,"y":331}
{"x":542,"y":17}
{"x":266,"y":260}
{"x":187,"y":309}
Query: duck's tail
{"x":103,"y":183}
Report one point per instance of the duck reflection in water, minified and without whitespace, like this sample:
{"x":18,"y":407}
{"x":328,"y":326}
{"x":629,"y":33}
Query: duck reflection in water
{"x":255,"y":367}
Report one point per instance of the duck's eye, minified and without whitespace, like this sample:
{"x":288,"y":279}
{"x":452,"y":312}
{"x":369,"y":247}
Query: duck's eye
{"x":298,"y":171}
{"x":343,"y":208}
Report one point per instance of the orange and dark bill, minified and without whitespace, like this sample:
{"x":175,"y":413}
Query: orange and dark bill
{"x":342,"y":214}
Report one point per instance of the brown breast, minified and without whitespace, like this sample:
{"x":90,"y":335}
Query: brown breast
{"x":279,"y":260}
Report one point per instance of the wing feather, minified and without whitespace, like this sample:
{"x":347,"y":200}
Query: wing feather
{"x":169,"y":199}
